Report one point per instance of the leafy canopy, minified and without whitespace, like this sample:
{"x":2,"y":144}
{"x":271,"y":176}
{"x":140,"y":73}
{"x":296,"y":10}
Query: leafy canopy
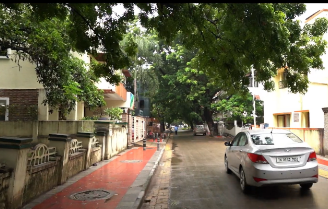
{"x":233,"y":38}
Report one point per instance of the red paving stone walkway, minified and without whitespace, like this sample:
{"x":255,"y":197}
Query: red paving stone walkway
{"x":115,"y":176}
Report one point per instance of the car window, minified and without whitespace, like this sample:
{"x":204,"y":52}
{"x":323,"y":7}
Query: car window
{"x":275,"y":139}
{"x":242,"y":140}
{"x":236,"y":139}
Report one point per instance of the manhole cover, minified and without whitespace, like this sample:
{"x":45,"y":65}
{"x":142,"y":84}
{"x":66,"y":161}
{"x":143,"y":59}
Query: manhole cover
{"x":131,"y":161}
{"x":90,"y":195}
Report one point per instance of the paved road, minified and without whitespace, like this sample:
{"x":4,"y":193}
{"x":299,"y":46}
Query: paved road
{"x":194,"y":178}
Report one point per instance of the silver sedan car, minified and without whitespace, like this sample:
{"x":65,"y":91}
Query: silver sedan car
{"x":271,"y":156}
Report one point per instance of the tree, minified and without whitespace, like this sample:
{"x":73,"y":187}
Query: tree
{"x":235,"y":107}
{"x":184,"y":93}
{"x":90,"y":27}
{"x":65,"y":78}
{"x":227,"y":40}
{"x":233,"y":38}
{"x":145,"y":55}
{"x":230,"y":38}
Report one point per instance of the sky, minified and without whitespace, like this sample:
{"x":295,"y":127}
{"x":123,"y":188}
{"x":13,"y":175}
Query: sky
{"x":312,"y":8}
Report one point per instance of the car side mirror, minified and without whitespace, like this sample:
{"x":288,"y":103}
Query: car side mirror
{"x":228,"y":144}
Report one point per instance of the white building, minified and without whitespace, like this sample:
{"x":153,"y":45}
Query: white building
{"x":284,"y":109}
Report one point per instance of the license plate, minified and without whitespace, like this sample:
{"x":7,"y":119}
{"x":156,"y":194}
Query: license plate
{"x":288,"y":159}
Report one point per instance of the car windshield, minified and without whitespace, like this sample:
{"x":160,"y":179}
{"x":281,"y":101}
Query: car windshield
{"x":275,"y":139}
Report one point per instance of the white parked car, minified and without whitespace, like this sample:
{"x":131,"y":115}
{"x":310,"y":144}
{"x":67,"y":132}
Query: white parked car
{"x":199,"y":129}
{"x":271,"y":156}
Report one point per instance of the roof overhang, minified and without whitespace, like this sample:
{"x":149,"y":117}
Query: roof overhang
{"x":282,"y":113}
{"x":302,"y":111}
{"x":315,"y":14}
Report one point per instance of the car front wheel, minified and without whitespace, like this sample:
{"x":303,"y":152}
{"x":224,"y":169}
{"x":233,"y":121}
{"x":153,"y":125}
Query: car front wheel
{"x":306,"y":186}
{"x":243,"y":184}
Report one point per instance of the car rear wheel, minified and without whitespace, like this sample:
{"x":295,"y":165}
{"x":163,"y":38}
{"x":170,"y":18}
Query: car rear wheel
{"x":306,"y":186}
{"x":226,"y":165}
{"x":243,"y":184}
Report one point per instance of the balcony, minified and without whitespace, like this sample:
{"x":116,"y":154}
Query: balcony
{"x":116,"y":93}
{"x":121,"y":91}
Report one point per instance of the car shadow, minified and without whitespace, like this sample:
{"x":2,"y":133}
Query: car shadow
{"x":272,"y":192}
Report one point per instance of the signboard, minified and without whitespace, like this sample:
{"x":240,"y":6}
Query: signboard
{"x":296,"y":117}
{"x":132,"y":101}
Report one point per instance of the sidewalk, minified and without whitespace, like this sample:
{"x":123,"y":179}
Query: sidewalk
{"x":118,"y":183}
{"x":323,"y":166}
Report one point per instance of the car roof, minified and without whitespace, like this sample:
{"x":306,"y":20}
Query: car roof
{"x":265,"y":131}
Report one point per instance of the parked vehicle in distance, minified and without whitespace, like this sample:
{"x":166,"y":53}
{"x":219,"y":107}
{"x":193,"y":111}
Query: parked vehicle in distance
{"x":199,"y":129}
{"x":269,"y":157}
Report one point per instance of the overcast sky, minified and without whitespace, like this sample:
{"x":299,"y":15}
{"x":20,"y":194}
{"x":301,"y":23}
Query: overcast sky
{"x":312,"y":8}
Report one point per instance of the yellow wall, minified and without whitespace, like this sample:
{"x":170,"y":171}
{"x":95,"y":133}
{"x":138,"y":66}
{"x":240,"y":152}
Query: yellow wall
{"x":11,"y":77}
{"x":281,"y":100}
{"x":25,"y":78}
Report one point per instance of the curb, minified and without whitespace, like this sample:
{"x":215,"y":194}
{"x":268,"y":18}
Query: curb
{"x":322,"y":160}
{"x":141,"y":196}
{"x":135,"y":195}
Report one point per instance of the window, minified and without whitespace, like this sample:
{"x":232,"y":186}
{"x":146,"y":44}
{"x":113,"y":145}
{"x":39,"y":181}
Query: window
{"x":283,"y":120}
{"x":142,"y":103}
{"x":275,"y":139}
{"x":4,"y":113}
{"x":4,"y":53}
{"x":236,"y":139}
{"x":243,"y":140}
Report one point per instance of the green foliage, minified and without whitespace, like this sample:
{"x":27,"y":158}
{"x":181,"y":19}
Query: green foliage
{"x":46,"y":43}
{"x":232,"y":38}
{"x":235,"y":107}
{"x":146,"y":43}
{"x":208,"y":48}
{"x":114,"y":113}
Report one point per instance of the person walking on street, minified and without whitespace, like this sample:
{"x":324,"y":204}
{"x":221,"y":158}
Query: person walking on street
{"x":176,"y":130}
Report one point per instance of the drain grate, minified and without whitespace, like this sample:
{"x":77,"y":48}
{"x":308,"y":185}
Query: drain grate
{"x":150,"y":148}
{"x":131,"y":161}
{"x":90,"y":195}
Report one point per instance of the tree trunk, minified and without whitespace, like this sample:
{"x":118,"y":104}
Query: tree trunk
{"x":209,"y":120}
{"x":162,"y":126}
{"x":191,"y":125}
{"x":61,"y":113}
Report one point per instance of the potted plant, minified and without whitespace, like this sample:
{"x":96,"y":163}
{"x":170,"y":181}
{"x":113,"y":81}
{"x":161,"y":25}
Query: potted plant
{"x":114,"y":113}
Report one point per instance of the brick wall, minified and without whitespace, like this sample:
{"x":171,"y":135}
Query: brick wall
{"x":22,"y":103}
